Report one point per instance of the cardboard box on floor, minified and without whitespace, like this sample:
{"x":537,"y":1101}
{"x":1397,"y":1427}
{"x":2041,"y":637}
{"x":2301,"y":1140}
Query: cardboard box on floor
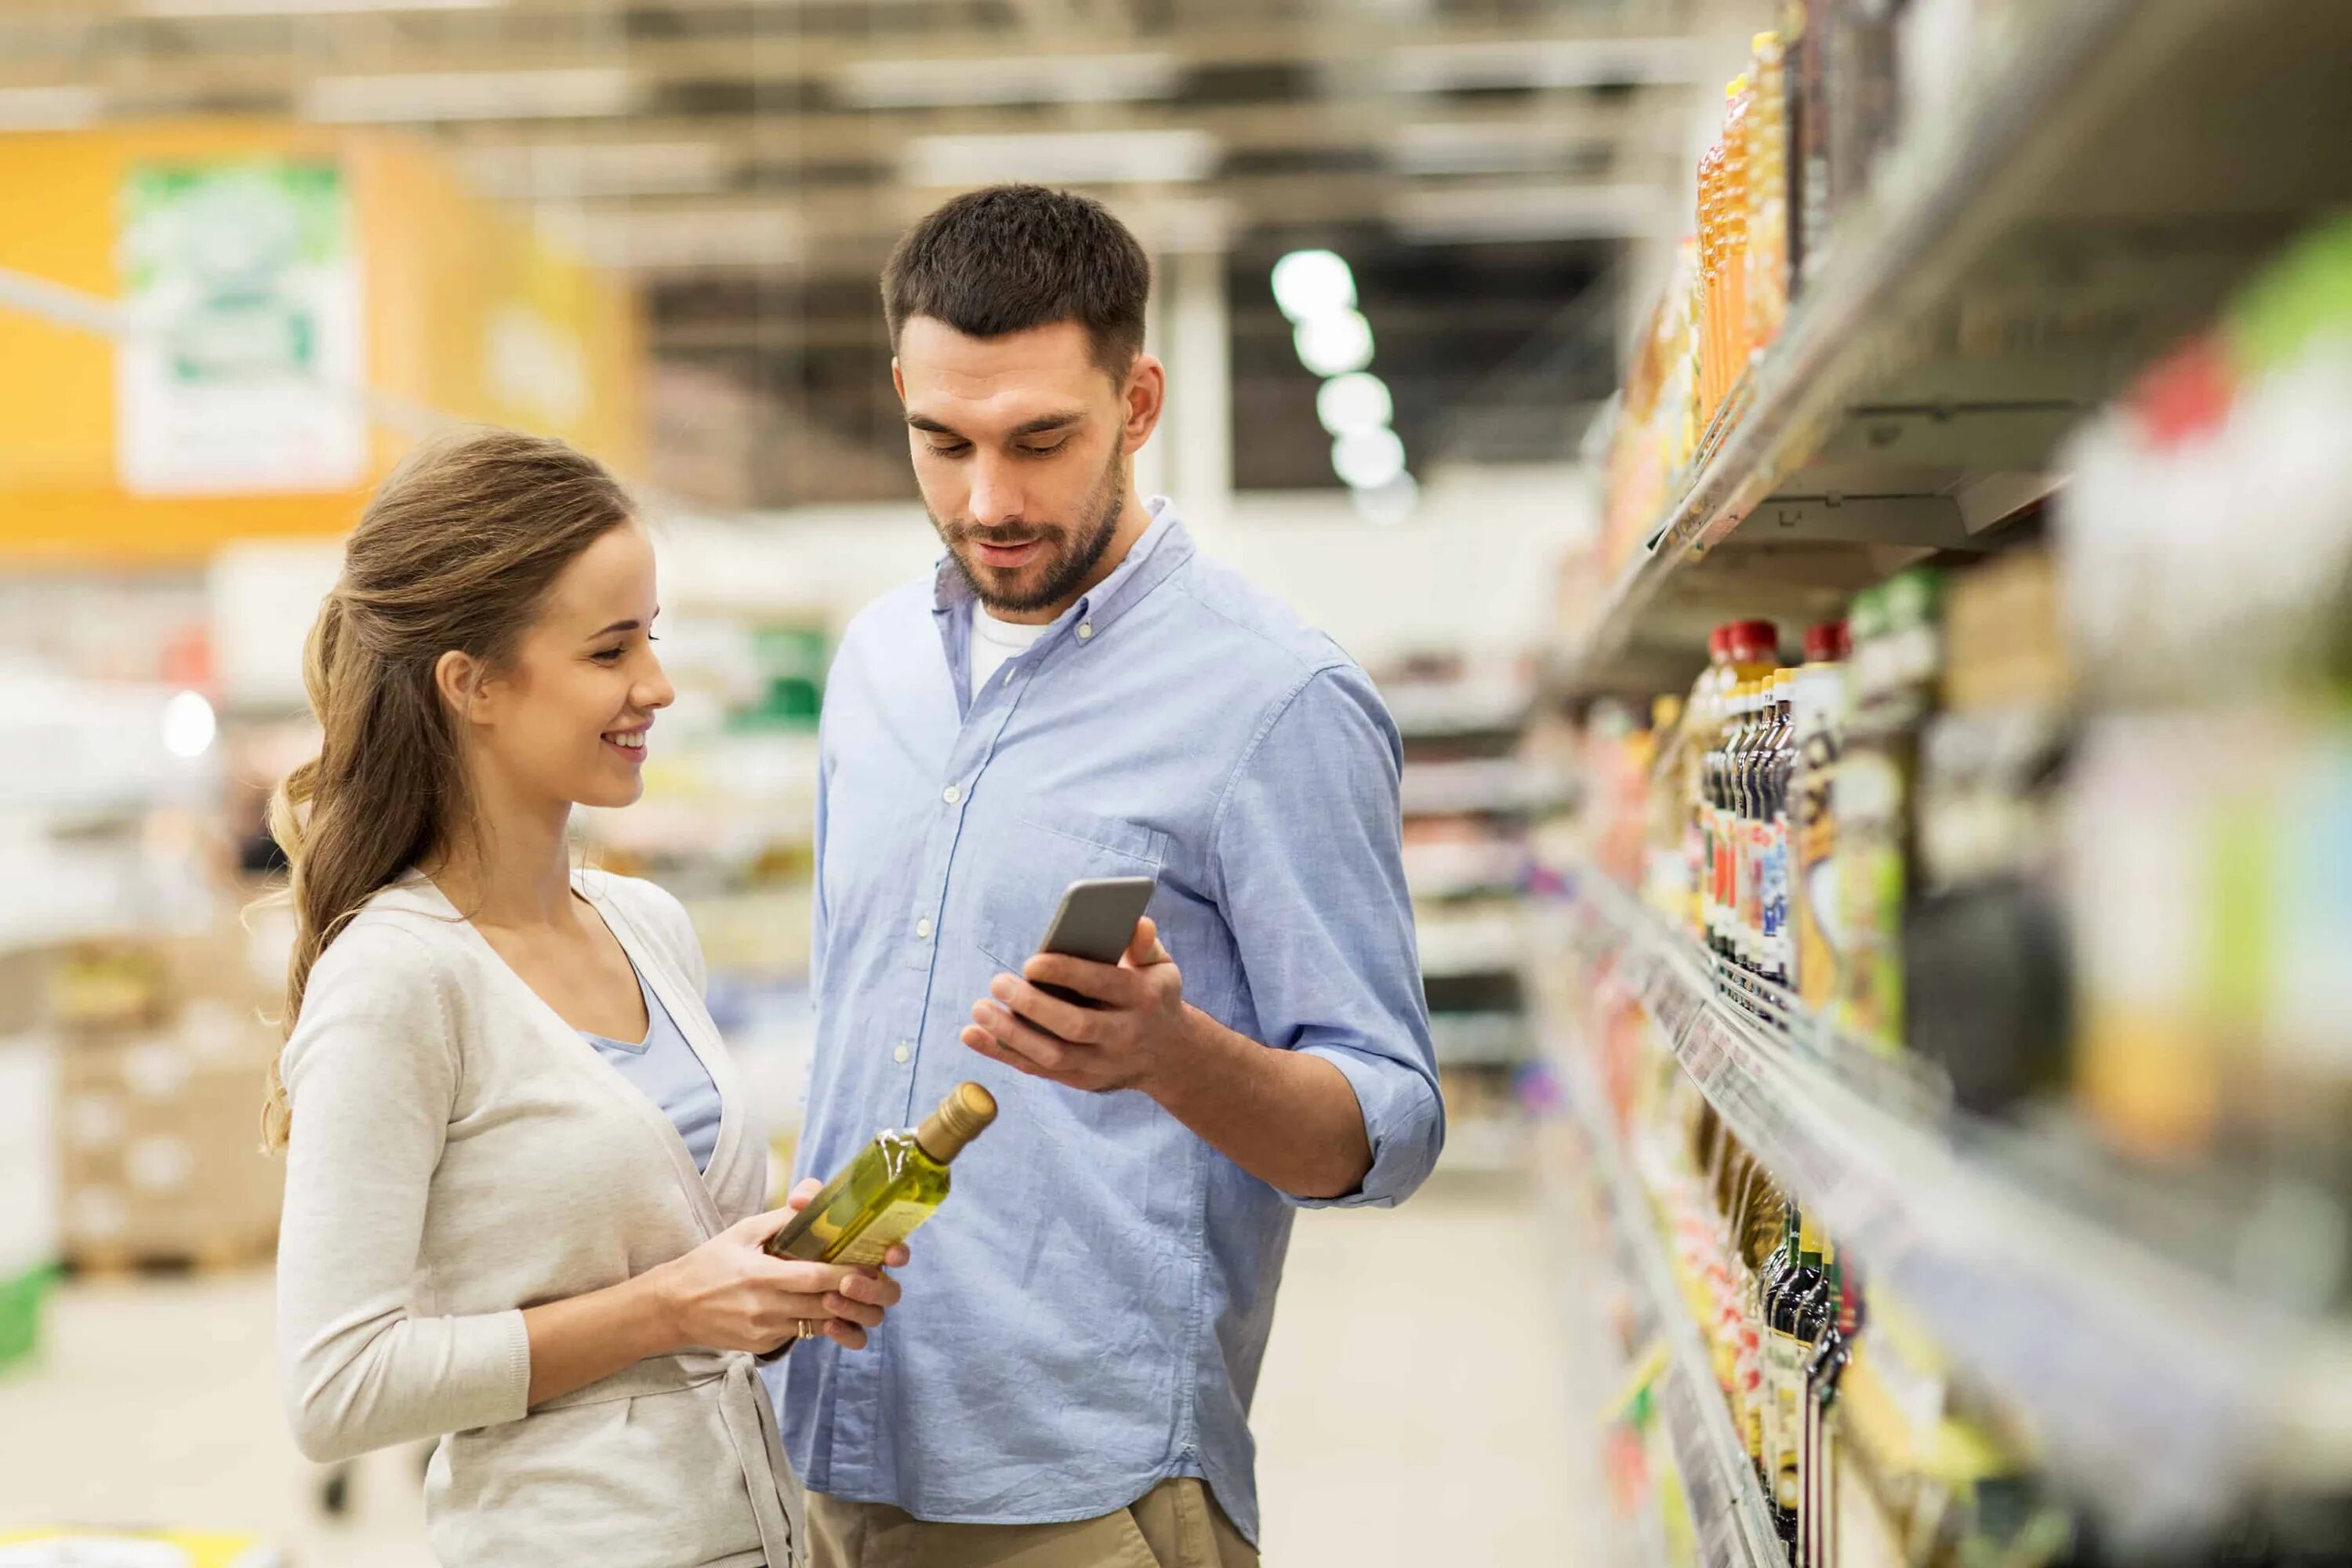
{"x":160,"y":1127}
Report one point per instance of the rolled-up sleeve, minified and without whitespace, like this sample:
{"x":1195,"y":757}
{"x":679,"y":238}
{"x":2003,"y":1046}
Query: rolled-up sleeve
{"x":1307,"y":855}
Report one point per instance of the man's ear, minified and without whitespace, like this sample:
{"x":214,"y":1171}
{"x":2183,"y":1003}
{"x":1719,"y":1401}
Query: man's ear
{"x":457,"y":677}
{"x":1143,"y":400}
{"x":898,"y":381}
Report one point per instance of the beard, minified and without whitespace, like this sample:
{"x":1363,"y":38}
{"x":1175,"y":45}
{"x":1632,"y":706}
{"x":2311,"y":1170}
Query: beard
{"x":1070,"y":551}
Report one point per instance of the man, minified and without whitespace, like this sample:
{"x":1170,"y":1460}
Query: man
{"x":1076,"y":693}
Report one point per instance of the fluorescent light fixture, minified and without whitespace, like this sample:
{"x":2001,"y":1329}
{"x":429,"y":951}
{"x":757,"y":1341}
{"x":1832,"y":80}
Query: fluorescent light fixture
{"x":48,"y":108}
{"x":1017,"y":79}
{"x":1354,"y":403}
{"x":1537,"y":62}
{"x":1390,"y":503}
{"x":1335,"y":343}
{"x":189,"y":725}
{"x":300,"y":7}
{"x":600,"y":169}
{"x":1491,"y":148}
{"x":420,"y":97}
{"x":1369,"y":459}
{"x":680,"y":237}
{"x":1524,"y":212}
{"x":1062,"y":157}
{"x":1310,"y":283}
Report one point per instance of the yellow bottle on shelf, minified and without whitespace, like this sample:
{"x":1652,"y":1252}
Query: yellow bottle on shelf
{"x":894,"y":1184}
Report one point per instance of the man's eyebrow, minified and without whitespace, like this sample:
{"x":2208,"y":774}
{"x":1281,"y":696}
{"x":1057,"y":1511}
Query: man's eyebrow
{"x":1043,"y":424}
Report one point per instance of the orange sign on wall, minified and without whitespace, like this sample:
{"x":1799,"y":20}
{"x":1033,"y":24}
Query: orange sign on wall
{"x":293,"y":302}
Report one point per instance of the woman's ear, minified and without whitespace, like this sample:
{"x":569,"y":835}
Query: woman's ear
{"x":456,"y":677}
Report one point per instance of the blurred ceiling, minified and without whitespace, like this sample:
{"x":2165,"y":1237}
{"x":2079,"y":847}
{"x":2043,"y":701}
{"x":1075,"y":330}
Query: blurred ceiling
{"x":1478,"y":162}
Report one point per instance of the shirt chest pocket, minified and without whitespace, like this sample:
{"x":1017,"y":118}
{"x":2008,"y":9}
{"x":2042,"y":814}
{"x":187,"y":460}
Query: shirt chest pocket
{"x":1036,"y":860}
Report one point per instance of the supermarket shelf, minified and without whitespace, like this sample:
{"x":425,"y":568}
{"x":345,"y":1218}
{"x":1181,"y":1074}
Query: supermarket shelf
{"x":1465,"y":946}
{"x":2167,"y":1396}
{"x":1479,"y":1039}
{"x":2111,"y":169}
{"x":1727,"y":1503}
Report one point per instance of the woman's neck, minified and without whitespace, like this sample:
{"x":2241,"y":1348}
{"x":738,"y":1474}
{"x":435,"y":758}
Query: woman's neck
{"x":511,"y":867}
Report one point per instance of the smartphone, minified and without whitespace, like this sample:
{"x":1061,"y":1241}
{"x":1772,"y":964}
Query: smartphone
{"x":1096,"y":923}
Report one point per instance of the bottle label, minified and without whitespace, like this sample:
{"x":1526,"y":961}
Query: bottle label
{"x":893,"y":1225}
{"x":1786,"y":1358}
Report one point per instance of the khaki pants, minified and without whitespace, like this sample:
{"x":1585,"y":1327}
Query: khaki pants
{"x":1176,"y":1524}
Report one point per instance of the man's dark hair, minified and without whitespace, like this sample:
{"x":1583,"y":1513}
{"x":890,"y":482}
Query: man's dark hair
{"x":1013,"y":257}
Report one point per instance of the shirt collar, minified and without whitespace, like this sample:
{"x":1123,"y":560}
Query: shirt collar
{"x":1165,"y":545}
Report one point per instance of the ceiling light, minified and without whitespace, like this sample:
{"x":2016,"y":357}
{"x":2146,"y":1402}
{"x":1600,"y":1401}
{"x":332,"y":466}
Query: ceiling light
{"x":1537,"y":62}
{"x":48,"y":108}
{"x":1018,"y":79}
{"x":599,"y":168}
{"x":1505,"y":212}
{"x":1367,"y":459}
{"x":1062,"y":157}
{"x":678,"y":236}
{"x":189,"y":725}
{"x":418,"y":97}
{"x":1335,"y":343}
{"x":300,"y":7}
{"x":1355,"y":403}
{"x":1310,"y":283}
{"x":1392,"y":503}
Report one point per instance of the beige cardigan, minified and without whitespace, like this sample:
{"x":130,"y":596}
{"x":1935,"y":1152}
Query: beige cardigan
{"x":459,"y":1153}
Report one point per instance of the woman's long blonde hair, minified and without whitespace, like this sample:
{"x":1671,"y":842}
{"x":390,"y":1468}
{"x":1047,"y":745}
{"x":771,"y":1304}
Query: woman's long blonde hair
{"x":456,"y":551}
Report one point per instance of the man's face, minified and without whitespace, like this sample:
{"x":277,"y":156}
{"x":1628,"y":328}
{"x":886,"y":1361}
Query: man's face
{"x":1019,"y":446}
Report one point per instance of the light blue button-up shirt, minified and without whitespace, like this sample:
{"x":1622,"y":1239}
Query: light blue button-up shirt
{"x":1087,"y":1315}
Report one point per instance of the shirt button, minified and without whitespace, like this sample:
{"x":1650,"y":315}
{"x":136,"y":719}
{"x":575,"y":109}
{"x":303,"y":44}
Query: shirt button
{"x":952,"y":795}
{"x":1086,"y":631}
{"x":923,"y":928}
{"x":899,"y":1056}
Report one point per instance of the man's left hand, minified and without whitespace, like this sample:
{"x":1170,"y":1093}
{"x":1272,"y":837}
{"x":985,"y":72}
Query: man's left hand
{"x":1119,"y":1044}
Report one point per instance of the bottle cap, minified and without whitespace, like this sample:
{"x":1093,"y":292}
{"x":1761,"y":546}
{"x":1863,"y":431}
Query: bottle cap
{"x":1718,"y":645}
{"x":1755,"y":642}
{"x":961,"y":1117}
{"x":1826,"y":643}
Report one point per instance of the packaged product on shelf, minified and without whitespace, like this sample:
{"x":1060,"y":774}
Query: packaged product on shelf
{"x":1820,"y":720}
{"x":1768,"y":189}
{"x":1896,"y":660}
{"x":1984,"y":935}
{"x":1755,"y":654}
{"x":2214,"y":798}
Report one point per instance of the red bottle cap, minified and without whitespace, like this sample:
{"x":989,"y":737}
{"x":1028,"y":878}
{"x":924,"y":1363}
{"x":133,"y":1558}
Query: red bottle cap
{"x":1755,"y":642}
{"x":1718,"y":645}
{"x":1826,"y":643}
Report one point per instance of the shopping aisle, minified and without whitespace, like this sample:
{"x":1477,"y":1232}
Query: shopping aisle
{"x":1409,"y":1412}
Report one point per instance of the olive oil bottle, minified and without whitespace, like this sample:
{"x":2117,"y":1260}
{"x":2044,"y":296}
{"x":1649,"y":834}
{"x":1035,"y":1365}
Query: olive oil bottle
{"x":894,"y":1184}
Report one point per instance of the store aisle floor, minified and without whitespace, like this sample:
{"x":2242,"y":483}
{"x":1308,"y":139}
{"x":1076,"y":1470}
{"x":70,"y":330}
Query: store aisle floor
{"x":1410,"y":1414}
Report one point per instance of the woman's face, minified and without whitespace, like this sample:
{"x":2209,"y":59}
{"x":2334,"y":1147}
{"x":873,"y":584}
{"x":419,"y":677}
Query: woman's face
{"x":569,"y":720}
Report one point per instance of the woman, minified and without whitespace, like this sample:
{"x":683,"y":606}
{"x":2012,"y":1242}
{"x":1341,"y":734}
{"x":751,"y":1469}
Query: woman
{"x":504,"y":1221}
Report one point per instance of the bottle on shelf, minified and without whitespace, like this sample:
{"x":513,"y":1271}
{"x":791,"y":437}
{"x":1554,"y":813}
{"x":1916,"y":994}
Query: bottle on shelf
{"x":1896,"y":660}
{"x":1779,"y":755}
{"x":1787,"y":1350}
{"x":1820,"y":715}
{"x":1768,"y":189}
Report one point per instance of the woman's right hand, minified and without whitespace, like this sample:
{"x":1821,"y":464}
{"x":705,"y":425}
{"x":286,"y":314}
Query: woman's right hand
{"x":729,"y":1294}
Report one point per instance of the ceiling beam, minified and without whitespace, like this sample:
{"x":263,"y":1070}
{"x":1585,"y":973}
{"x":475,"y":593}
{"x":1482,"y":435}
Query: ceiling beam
{"x":1413,"y":46}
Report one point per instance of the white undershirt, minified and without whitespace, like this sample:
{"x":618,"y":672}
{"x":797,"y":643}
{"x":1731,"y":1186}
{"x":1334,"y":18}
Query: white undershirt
{"x":994,"y":642}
